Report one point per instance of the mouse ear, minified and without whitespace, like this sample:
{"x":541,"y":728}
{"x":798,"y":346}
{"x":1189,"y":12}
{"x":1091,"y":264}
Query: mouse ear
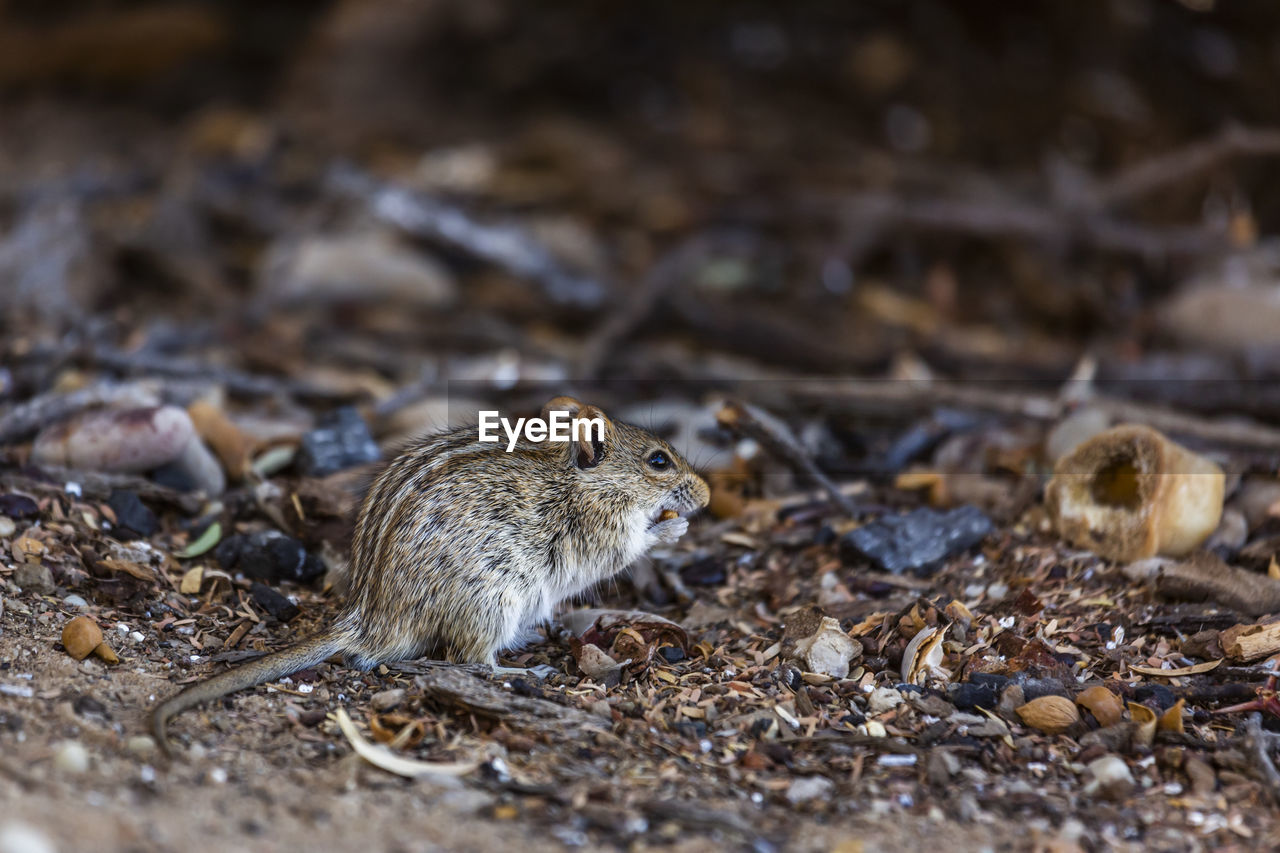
{"x":560,"y":404}
{"x":589,"y":436}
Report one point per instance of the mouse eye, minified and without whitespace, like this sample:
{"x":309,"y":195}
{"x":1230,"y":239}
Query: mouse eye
{"x":659,"y":461}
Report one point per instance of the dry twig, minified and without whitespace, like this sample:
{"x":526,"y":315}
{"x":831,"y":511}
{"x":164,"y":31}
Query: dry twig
{"x":777,"y":439}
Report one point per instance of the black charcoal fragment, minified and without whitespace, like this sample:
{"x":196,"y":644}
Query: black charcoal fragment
{"x":270,"y":556}
{"x":341,"y":440}
{"x":134,"y":519}
{"x":919,"y":541}
{"x":277,"y":606}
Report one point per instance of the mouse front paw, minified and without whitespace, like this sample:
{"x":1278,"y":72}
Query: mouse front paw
{"x":669,"y":531}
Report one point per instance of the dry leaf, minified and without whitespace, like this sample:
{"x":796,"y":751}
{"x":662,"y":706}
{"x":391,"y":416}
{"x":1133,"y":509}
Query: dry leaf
{"x":384,"y":759}
{"x":191,"y":581}
{"x":142,"y":573}
{"x":1171,"y":720}
{"x":1146,"y":720}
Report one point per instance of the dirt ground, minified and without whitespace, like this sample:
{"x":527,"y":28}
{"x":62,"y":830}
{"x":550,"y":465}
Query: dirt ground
{"x":867,"y":266}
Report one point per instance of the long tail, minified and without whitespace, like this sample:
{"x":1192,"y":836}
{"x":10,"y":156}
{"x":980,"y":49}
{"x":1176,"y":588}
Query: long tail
{"x":309,"y":652}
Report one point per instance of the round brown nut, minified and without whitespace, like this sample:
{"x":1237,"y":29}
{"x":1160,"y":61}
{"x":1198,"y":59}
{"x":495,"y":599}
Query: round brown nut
{"x":81,"y":636}
{"x":668,"y":514}
{"x":1050,"y":714}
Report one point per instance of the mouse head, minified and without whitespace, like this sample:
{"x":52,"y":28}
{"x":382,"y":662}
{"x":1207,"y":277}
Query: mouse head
{"x":625,"y":463}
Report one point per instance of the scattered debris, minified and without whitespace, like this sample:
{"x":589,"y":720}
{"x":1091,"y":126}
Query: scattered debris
{"x":384,"y":759}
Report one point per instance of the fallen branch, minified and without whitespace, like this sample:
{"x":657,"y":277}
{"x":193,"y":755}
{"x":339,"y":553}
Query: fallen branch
{"x":504,"y":246}
{"x":1191,"y":161}
{"x":236,"y":382}
{"x":875,"y":213}
{"x":1077,"y":217}
{"x":900,"y":396}
{"x":1204,"y":577}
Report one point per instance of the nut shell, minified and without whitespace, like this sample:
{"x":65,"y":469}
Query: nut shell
{"x":668,"y":514}
{"x":81,"y":636}
{"x":1049,"y":714}
{"x":1105,"y":706}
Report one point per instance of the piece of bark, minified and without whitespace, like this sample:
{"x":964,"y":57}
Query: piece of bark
{"x":1251,"y":642}
{"x":454,"y":686}
{"x":1204,"y":577}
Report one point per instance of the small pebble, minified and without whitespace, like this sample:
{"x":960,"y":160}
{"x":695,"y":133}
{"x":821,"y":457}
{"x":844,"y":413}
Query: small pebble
{"x":136,"y":636}
{"x":141,"y":745}
{"x":16,"y":837}
{"x":70,"y":756}
{"x":124,"y":440}
{"x":195,"y":469}
{"x":7,"y":527}
{"x":76,"y":601}
{"x":809,"y":788}
{"x":34,"y":578}
{"x":218,"y":776}
{"x":1108,"y":776}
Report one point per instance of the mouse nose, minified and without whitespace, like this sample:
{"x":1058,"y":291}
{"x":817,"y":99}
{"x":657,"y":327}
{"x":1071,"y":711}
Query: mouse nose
{"x":699,"y":492}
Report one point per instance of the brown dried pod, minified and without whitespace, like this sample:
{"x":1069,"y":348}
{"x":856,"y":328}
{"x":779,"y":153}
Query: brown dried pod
{"x":1171,"y":720}
{"x":106,"y":653}
{"x":1146,"y":720}
{"x":1105,"y":706}
{"x":1049,"y":714}
{"x":81,"y":636}
{"x":668,"y":514}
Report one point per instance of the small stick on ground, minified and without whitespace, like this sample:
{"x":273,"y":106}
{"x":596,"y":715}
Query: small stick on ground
{"x":774,"y":436}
